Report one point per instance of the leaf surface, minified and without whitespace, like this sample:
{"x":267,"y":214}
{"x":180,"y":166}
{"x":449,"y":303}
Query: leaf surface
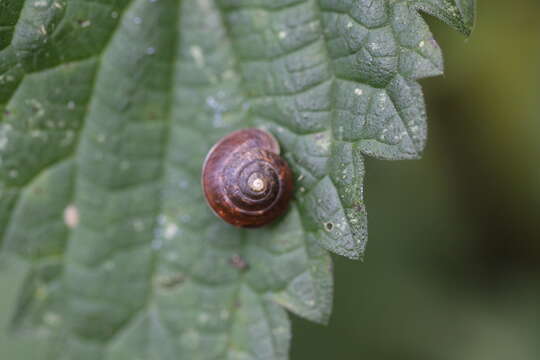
{"x":108,"y":109}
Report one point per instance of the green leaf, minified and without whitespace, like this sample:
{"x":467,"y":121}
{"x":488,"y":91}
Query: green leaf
{"x":108,"y":109}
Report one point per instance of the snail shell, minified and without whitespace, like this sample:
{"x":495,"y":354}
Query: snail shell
{"x":245,"y":181}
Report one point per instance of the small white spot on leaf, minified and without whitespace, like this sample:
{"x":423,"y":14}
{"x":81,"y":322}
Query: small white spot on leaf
{"x":170,"y":230}
{"x":197,"y":54}
{"x":71,"y":216}
{"x":85,"y":23}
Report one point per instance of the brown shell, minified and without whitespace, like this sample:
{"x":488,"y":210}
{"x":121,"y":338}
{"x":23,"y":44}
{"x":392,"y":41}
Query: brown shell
{"x":245,"y":181}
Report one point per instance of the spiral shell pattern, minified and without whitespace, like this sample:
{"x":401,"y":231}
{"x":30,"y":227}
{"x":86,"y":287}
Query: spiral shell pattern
{"x":245,"y":181}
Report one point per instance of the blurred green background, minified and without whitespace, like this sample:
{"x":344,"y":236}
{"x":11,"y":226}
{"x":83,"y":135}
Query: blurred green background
{"x":453,"y":263}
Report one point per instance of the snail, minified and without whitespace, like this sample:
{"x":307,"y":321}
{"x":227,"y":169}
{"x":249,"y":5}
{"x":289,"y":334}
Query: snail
{"x":245,"y":181}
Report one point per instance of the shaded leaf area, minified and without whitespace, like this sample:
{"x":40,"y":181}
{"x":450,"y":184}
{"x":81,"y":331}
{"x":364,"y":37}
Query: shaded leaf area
{"x":108,"y":109}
